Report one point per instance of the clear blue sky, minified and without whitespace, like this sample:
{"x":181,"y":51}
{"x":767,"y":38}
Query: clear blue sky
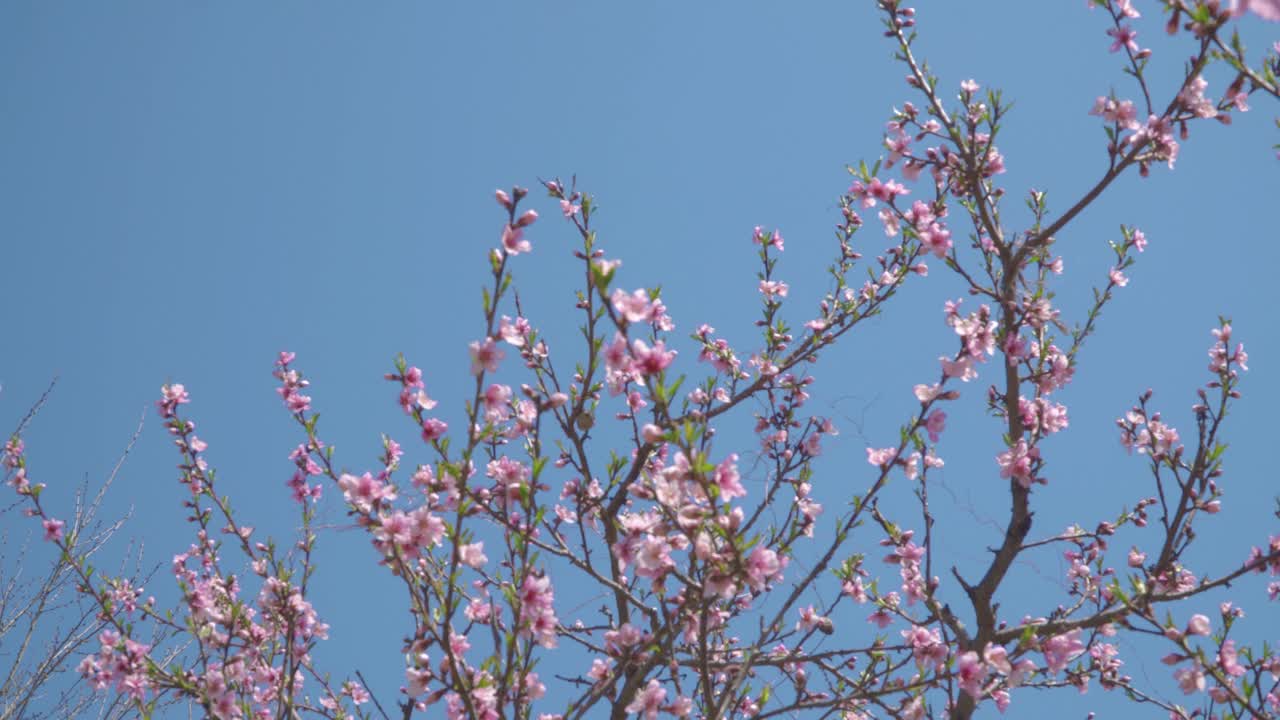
{"x":187,"y":188}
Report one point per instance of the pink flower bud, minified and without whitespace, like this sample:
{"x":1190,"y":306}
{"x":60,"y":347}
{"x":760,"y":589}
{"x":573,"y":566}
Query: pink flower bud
{"x":1198,"y":625}
{"x":1136,"y":558}
{"x":651,"y":433}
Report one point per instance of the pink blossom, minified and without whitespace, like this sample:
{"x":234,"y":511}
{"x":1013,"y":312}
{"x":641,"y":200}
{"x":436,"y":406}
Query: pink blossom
{"x":920,"y":215}
{"x":762,"y":566}
{"x":478,"y":610}
{"x":1190,"y":679}
{"x":811,"y":620}
{"x":926,"y":393}
{"x":616,"y":642}
{"x":855,"y":590}
{"x":911,"y":468}
{"x":997,"y":657}
{"x":1059,"y":372}
{"x":1139,"y":240}
{"x":1265,"y":9}
{"x":427,"y":530}
{"x":813,"y":444}
{"x":472,"y":554}
{"x":891,"y":227}
{"x":649,"y":700}
{"x":936,"y":239}
{"x":13,"y":448}
{"x":1159,"y":132}
{"x":935,"y":424}
{"x":1137,"y":558}
{"x":599,"y":670}
{"x":511,"y":476}
{"x":534,"y":686}
{"x":1157,"y":439}
{"x":1053,"y":416}
{"x":412,"y":377}
{"x":654,"y":557}
{"x":485,"y":356}
{"x":297,"y":402}
{"x":497,"y":402}
{"x":1016,"y":463}
{"x":773,"y":288}
{"x":1126,"y":9}
{"x":927,"y":646}
{"x":410,"y":400}
{"x":1062,"y":649}
{"x":881,"y":618}
{"x":882,"y":457}
{"x":962,"y":368}
{"x":459,"y":644}
{"x":1228,"y":659}
{"x":171,"y":397}
{"x":394,"y":530}
{"x":759,"y":237}
{"x":433,"y":429}
{"x":513,"y":240}
{"x":606,"y":267}
{"x":1123,"y":37}
{"x":365,"y":492}
{"x":876,"y":190}
{"x":912,"y":708}
{"x":728,"y":480}
{"x":636,"y":307}
{"x":651,"y":361}
{"x":537,"y":617}
{"x":616,"y":357}
{"x":53,"y":529}
{"x":898,"y":146}
{"x":971,"y":672}
{"x":514,"y":332}
{"x":1029,"y":412}
{"x":808,"y":507}
{"x":1120,"y":112}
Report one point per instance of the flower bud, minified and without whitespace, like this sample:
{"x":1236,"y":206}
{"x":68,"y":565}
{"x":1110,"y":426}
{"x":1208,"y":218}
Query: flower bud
{"x":651,"y":433}
{"x":1198,"y":625}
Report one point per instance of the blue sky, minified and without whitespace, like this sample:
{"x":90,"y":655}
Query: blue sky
{"x":188,"y":188}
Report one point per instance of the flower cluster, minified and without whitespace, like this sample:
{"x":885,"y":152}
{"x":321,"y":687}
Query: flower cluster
{"x":706,"y":559}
